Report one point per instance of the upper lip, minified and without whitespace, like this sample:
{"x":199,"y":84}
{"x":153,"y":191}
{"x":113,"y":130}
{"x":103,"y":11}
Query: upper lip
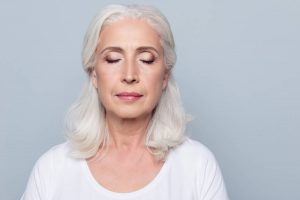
{"x":134,"y":94}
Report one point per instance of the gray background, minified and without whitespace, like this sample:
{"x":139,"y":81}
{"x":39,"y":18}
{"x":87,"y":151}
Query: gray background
{"x":238,"y":70}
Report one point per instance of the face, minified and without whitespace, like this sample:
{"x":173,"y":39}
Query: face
{"x":129,"y":75}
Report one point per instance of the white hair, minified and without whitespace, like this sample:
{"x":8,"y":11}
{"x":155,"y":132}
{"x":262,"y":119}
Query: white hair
{"x":86,"y":128}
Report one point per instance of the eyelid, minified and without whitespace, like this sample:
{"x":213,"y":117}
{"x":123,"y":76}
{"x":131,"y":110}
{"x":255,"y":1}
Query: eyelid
{"x":112,"y":61}
{"x":148,"y":55}
{"x":110,"y":56}
{"x":149,"y":49}
{"x":148,"y":61}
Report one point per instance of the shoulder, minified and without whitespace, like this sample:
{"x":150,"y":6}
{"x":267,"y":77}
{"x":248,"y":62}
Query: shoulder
{"x":198,"y":166}
{"x":54,"y":159}
{"x":46,"y":171}
{"x":57,"y":152}
{"x":192,"y":150}
{"x":193,"y":157}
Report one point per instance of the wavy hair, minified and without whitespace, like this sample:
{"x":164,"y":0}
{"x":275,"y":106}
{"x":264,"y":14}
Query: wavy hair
{"x":85,"y":121}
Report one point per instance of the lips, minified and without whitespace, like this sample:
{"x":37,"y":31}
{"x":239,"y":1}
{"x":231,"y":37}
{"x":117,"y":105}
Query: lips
{"x":129,"y":96}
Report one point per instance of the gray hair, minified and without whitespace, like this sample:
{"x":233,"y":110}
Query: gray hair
{"x":85,"y":123}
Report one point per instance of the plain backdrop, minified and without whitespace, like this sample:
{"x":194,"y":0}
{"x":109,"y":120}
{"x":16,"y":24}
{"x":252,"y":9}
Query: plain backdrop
{"x":238,"y":71}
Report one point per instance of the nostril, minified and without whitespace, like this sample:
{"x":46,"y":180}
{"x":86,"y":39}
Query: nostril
{"x":130,"y":71}
{"x":130,"y":79}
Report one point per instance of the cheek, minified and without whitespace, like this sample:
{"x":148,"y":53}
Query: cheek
{"x":156,"y":85}
{"x":103,"y":83}
{"x":104,"y":76}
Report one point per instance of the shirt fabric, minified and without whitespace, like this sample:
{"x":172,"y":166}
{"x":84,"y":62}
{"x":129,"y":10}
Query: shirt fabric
{"x":190,"y":172}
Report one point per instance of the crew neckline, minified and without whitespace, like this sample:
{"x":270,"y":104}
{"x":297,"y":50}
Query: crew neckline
{"x":125,"y":195}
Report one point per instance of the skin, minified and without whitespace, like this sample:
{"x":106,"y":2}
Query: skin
{"x":129,"y":58}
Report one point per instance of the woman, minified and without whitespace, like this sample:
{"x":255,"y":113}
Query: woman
{"x":126,"y":132}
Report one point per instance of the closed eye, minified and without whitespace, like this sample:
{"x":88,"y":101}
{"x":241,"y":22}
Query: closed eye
{"x":147,"y":61}
{"x":111,"y":61}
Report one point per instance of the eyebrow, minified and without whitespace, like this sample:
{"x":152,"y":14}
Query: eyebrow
{"x":119,"y":49}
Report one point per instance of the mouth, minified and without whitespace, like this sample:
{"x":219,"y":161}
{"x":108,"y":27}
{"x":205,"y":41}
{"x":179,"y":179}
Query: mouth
{"x":129,"y":96}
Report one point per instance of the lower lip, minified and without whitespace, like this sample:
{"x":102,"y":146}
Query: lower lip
{"x":129,"y":98}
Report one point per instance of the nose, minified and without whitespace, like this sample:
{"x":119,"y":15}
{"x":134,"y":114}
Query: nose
{"x":130,"y":73}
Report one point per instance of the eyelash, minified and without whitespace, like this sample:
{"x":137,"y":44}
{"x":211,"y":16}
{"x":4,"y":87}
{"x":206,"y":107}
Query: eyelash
{"x":110,"y":61}
{"x":149,"y":62}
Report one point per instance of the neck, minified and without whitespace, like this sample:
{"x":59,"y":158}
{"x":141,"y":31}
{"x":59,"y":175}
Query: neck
{"x":127,"y":134}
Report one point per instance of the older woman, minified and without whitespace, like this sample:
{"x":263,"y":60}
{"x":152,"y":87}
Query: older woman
{"x":126,"y":132}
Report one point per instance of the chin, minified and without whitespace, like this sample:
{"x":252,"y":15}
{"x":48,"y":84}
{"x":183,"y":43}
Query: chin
{"x":131,"y":114}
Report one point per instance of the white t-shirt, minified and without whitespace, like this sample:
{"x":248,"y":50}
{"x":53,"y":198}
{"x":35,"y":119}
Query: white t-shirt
{"x":189,"y":173}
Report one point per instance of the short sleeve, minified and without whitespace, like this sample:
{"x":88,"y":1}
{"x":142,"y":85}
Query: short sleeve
{"x":40,"y":179}
{"x":210,"y":182}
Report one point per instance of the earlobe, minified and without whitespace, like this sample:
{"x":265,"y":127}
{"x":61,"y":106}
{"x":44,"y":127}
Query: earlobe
{"x":93,"y":77}
{"x":166,"y":79}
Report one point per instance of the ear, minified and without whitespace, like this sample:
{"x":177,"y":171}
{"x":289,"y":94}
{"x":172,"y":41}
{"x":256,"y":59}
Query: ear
{"x":93,"y":77}
{"x":166,"y":79}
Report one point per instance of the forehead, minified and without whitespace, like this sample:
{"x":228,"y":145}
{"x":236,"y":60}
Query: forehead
{"x":129,"y":32}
